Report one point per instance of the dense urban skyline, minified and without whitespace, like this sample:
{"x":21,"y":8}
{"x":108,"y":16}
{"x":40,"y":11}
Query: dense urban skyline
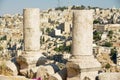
{"x":12,"y":7}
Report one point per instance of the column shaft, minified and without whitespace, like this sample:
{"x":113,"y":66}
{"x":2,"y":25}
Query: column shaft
{"x":82,"y":35}
{"x":31,"y":29}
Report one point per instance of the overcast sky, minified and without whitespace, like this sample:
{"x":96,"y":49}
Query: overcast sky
{"x":16,"y":6}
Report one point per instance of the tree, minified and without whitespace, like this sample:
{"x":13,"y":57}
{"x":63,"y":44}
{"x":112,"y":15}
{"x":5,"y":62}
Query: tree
{"x":83,"y":7}
{"x":107,"y":66}
{"x":73,"y":7}
{"x":96,"y":21}
{"x":78,"y":7}
{"x":107,"y":44}
{"x":97,"y":35}
{"x":61,"y":8}
{"x":67,"y":49}
{"x":48,"y":30}
{"x":63,"y":48}
{"x":3,"y":38}
{"x":49,"y":10}
{"x":113,"y":55}
{"x":110,"y":34}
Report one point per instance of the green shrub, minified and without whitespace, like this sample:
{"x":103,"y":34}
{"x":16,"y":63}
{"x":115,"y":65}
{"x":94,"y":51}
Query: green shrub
{"x":110,"y":34}
{"x":61,"y":8}
{"x":96,"y":21}
{"x":107,"y":44}
{"x":3,"y":38}
{"x":63,"y":48}
{"x":107,"y":66}
{"x":97,"y":35}
{"x":113,"y":55}
{"x":78,"y":7}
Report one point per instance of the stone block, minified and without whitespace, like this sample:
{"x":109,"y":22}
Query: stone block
{"x":61,"y":75}
{"x":30,"y":59}
{"x":85,"y":66}
{"x":8,"y":68}
{"x":12,"y":78}
{"x":109,"y":76}
{"x":46,"y":70}
{"x":30,"y":73}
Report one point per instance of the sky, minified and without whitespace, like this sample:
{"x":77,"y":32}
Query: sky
{"x":17,"y":6}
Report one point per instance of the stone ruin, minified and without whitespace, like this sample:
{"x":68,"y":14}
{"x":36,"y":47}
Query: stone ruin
{"x":32,"y":55}
{"x":81,"y":66}
{"x":32,"y":63}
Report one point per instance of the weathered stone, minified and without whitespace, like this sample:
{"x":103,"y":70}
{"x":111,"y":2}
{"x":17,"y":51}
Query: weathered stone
{"x":109,"y":76}
{"x":3,"y":78}
{"x":82,"y":63}
{"x":30,"y":73}
{"x":8,"y":68}
{"x":12,"y":78}
{"x":30,"y":59}
{"x":83,"y":67}
{"x":61,"y":75}
{"x":45,"y":71}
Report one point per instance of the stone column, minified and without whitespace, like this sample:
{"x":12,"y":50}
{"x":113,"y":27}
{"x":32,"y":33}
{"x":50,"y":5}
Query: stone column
{"x":82,"y":63}
{"x":31,"y":30}
{"x":32,"y":56}
{"x":82,"y":33}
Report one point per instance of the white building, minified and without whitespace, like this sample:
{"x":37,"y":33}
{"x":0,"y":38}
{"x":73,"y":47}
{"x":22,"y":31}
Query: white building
{"x":57,"y":32}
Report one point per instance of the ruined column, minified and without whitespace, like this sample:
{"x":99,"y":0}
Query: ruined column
{"x":82,"y":63}
{"x":82,"y":33}
{"x":31,"y":30}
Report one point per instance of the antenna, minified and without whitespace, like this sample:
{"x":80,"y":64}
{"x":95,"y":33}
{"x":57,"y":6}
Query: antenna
{"x":58,"y":3}
{"x":68,"y":2}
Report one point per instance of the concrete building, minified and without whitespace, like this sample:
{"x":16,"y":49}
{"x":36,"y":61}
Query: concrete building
{"x":104,"y":36}
{"x":58,"y":32}
{"x":107,"y":27}
{"x":67,"y":27}
{"x":99,"y":50}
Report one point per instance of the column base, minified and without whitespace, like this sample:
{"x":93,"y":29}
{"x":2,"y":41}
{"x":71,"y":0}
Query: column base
{"x":30,"y":59}
{"x":82,"y":68}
